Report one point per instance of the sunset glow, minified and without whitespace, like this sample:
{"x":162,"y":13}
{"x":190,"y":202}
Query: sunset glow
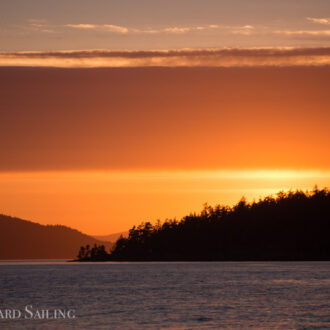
{"x":113,"y":114}
{"x":104,"y":202}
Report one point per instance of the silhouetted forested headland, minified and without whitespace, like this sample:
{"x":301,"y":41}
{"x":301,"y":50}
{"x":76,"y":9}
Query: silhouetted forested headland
{"x":290,"y":226}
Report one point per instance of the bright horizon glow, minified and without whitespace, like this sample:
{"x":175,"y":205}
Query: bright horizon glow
{"x":105,"y":202}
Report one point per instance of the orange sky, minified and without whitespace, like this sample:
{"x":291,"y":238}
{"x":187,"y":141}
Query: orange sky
{"x":103,"y":149}
{"x":164,"y":118}
{"x":115,"y":112}
{"x":100,"y":203}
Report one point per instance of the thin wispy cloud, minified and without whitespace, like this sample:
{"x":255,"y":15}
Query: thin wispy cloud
{"x":116,"y":28}
{"x":325,"y":21}
{"x":40,"y":25}
{"x":123,"y":29}
{"x":305,"y":33}
{"x":229,"y":57}
{"x":177,"y":29}
{"x":244,"y":29}
{"x":104,"y":27}
{"x":43,"y":26}
{"x":209,"y":27}
{"x":37,"y":25}
{"x":82,"y":26}
{"x":247,"y":30}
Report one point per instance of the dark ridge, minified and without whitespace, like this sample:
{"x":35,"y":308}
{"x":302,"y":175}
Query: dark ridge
{"x":22,"y":239}
{"x":111,"y":237}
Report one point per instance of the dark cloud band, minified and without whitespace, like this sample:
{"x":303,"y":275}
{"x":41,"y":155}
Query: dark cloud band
{"x":186,"y":57}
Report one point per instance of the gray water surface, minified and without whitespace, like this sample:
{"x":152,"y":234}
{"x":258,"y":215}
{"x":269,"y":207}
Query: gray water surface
{"x":168,"y":295}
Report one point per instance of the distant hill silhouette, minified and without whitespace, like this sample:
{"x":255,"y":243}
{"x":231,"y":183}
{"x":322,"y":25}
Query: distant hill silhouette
{"x":290,"y":226}
{"x":22,"y":239}
{"x":111,"y":237}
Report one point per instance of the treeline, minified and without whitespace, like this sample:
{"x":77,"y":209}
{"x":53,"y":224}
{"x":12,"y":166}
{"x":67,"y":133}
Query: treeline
{"x":96,"y":253}
{"x":290,"y":226}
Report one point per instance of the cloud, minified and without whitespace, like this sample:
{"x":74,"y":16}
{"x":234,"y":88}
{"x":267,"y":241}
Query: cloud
{"x":319,"y":20}
{"x":48,"y":31}
{"x":170,"y":29}
{"x":178,"y":29}
{"x":304,"y":32}
{"x":313,"y":35}
{"x":227,"y":57}
{"x":107,"y":27}
{"x":37,"y":25}
{"x":116,"y":28}
{"x":82,"y":26}
{"x":245,"y":30}
{"x":197,"y":28}
{"x":42,"y":26}
{"x":249,"y":27}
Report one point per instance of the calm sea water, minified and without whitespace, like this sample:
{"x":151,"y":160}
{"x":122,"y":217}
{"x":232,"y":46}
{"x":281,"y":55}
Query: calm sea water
{"x":169,"y":295}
